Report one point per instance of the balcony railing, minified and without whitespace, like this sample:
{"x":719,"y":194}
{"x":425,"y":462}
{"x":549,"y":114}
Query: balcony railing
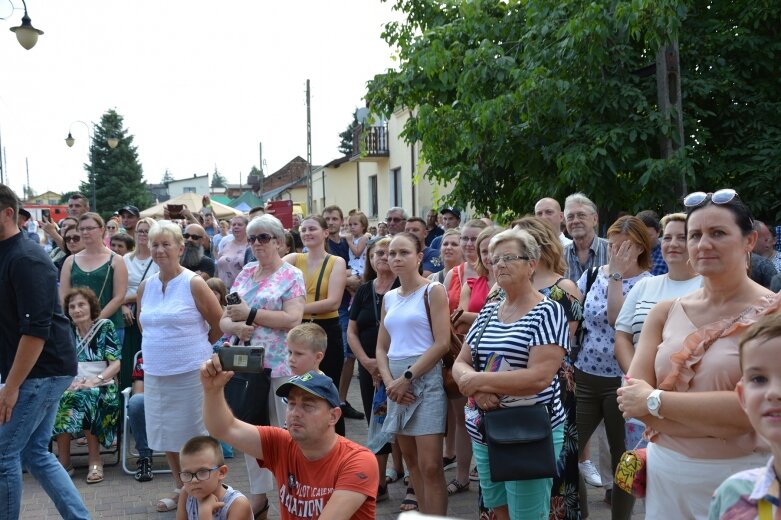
{"x":370,"y":141}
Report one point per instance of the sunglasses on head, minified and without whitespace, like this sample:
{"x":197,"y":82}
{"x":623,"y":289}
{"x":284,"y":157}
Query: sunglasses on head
{"x":262,"y":238}
{"x":724,"y":196}
{"x":188,"y":236}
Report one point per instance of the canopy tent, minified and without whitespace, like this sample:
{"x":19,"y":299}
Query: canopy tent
{"x":193,"y":203}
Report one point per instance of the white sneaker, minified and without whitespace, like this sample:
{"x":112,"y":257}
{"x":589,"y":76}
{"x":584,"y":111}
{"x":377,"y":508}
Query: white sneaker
{"x":590,"y":473}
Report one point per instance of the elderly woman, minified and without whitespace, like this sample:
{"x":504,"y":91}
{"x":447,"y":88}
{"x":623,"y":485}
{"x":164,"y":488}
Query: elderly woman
{"x":98,"y":268}
{"x":325,"y":276}
{"x":549,"y":279}
{"x":412,"y":339}
{"x":682,"y":378}
{"x":525,"y":337}
{"x":273,"y":292}
{"x":91,"y":404}
{"x":230,"y":259}
{"x":179,"y":317}
{"x":597,"y":374}
{"x":140,"y":266}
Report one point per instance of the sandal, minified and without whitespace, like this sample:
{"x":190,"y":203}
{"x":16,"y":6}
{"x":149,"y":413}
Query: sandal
{"x":382,"y":494}
{"x":168,"y":503}
{"x":144,"y":470}
{"x":410,"y":502}
{"x":406,"y":478}
{"x":455,"y":487}
{"x":391,"y":475}
{"x":263,"y":513}
{"x":95,"y":474}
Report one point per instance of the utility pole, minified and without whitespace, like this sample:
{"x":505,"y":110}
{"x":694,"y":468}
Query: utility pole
{"x":262,"y":173}
{"x":309,"y":207}
{"x":668,"y":87}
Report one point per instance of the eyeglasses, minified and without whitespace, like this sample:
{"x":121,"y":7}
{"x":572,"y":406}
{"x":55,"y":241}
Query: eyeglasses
{"x":469,"y":239}
{"x":188,"y":236}
{"x":396,"y":219}
{"x":380,"y":253}
{"x":90,"y":228}
{"x":111,"y":227}
{"x":142,"y":231}
{"x":200,"y":475}
{"x":724,"y":196}
{"x":579,"y":216}
{"x":75,"y":239}
{"x":263,"y":238}
{"x":507,"y":259}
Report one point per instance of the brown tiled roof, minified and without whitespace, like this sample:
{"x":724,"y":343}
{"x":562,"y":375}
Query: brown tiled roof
{"x":294,"y":170}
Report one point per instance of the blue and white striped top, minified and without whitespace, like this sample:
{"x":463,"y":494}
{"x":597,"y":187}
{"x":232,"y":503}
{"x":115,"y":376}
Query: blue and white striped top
{"x":506,"y":346}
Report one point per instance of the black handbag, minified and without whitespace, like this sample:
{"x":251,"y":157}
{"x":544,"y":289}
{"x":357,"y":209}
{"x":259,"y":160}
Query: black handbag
{"x":519,"y":438}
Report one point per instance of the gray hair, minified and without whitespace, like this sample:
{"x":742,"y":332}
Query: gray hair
{"x":166,"y":227}
{"x":521,"y":237}
{"x":579,"y":198}
{"x":397,"y":209}
{"x":267,"y":223}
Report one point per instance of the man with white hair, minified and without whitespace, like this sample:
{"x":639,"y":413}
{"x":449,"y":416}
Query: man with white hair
{"x":397,"y":220}
{"x":587,"y":250}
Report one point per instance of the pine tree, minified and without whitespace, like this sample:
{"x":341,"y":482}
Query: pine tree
{"x":346,"y":145}
{"x":167,"y":177}
{"x":218,"y":179}
{"x":118,"y":175}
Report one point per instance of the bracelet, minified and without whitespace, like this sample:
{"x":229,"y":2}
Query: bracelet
{"x":251,"y":317}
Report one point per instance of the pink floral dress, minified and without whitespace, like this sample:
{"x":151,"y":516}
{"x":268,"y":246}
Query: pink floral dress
{"x":270,"y":294}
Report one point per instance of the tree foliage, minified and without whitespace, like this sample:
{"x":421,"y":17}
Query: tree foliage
{"x":346,"y":137}
{"x":519,"y":99}
{"x":118,"y":175}
{"x":218,"y":179}
{"x":167,"y":177}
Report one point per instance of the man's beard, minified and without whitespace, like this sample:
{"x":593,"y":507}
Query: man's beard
{"x":191,"y":258}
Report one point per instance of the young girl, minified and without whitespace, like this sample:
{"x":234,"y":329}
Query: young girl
{"x":358,"y":225}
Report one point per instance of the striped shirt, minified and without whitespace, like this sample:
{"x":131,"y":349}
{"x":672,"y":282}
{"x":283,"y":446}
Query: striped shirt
{"x":506,"y":346}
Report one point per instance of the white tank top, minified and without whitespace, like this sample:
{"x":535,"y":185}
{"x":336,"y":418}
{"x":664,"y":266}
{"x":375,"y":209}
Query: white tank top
{"x":407,"y":323}
{"x":175,"y":335}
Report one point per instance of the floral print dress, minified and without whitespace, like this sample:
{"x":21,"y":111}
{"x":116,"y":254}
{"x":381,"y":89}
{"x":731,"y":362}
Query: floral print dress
{"x":93,"y":409}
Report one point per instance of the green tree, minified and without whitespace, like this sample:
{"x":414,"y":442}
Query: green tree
{"x":346,"y":143}
{"x":118,"y":175}
{"x":167,"y":177}
{"x":218,"y":180}
{"x":515,"y":100}
{"x":66,"y":196}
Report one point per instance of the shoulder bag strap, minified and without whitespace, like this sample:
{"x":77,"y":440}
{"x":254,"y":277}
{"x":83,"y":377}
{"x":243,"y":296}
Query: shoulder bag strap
{"x":475,"y":357}
{"x":143,"y":276}
{"x":320,"y":281}
{"x":108,"y":272}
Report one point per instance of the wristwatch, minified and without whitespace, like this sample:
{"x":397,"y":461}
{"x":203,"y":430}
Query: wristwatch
{"x":654,"y":402}
{"x":408,"y":375}
{"x":616,"y":276}
{"x":102,"y":379}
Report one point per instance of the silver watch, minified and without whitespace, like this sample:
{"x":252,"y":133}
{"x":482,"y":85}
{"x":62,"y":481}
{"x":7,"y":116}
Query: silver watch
{"x":654,"y":403}
{"x":616,"y":276}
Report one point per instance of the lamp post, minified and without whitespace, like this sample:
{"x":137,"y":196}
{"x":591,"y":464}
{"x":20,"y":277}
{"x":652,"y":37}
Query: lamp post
{"x":26,"y":34}
{"x":112,"y":142}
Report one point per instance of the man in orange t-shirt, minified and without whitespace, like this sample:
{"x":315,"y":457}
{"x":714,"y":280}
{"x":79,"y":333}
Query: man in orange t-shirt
{"x":321,"y":475}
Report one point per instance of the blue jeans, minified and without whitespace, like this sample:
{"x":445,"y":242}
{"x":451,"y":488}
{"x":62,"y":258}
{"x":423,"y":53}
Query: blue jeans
{"x":25,"y":440}
{"x":344,"y":321}
{"x":135,"y":415}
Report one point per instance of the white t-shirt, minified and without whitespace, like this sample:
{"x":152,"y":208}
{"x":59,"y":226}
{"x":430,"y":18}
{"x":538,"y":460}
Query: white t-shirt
{"x":407,"y":322}
{"x":135,"y":272}
{"x":647,"y":293}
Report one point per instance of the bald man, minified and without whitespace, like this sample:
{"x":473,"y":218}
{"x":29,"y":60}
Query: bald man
{"x":550,"y":210}
{"x":193,"y":257}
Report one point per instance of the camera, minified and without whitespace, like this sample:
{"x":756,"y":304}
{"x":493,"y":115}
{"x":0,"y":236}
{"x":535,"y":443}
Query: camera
{"x":233,"y":299}
{"x":242,"y":359}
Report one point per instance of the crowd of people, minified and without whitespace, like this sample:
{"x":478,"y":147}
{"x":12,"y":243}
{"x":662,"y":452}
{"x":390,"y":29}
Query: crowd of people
{"x":461,"y":333}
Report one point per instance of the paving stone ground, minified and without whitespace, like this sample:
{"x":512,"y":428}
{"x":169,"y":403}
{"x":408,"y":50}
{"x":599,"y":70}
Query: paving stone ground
{"x":121,"y":497}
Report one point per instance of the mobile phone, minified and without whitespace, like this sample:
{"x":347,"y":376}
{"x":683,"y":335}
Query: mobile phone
{"x":233,"y":299}
{"x":242,"y":359}
{"x":175,"y":210}
{"x":46,"y":214}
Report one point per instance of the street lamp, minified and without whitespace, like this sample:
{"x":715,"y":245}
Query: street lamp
{"x":112,"y":142}
{"x":26,"y":34}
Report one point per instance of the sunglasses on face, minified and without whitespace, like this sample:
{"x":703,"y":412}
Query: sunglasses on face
{"x":111,"y":227}
{"x":188,"y":236}
{"x":724,"y":196}
{"x":263,"y":238}
{"x":75,"y":239}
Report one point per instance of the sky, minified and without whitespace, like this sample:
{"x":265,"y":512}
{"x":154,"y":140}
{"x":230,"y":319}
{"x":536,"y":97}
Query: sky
{"x":199,"y":84}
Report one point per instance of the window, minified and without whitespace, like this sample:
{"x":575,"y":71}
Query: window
{"x":395,"y":187}
{"x":373,"y":206}
{"x":189,"y":190}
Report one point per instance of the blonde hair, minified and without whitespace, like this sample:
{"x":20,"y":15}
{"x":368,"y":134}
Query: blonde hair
{"x":551,"y":252}
{"x":166,"y":227}
{"x":311,"y":335}
{"x":484,"y":235}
